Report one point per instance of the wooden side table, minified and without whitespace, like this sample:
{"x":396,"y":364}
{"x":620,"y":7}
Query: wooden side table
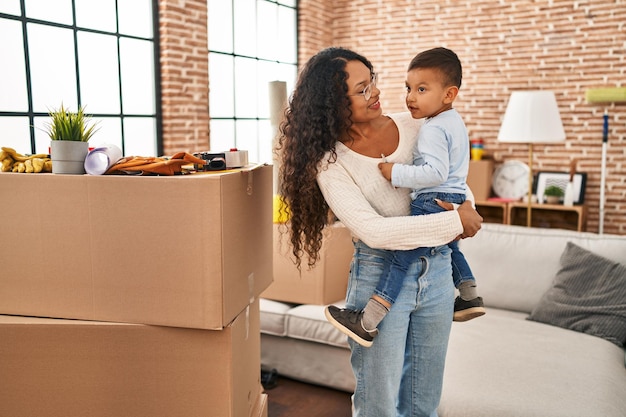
{"x":493,"y":211}
{"x":549,"y":215}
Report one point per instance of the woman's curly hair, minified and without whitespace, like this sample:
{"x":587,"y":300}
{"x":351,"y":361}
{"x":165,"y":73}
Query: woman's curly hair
{"x":317,"y":117}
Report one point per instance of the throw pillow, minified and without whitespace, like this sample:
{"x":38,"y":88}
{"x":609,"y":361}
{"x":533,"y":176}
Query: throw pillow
{"x":588,"y":295}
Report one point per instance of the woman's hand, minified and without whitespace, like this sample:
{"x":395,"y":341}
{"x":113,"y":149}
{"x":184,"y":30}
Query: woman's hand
{"x":470,"y":218}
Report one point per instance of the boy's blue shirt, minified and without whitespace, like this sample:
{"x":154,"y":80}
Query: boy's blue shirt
{"x":440,"y":158}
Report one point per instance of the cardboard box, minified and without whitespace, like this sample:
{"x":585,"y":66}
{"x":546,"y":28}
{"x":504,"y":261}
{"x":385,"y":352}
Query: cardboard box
{"x":261,"y":409}
{"x":61,"y":368}
{"x":479,"y":178}
{"x":184,"y":251}
{"x":324,"y":284}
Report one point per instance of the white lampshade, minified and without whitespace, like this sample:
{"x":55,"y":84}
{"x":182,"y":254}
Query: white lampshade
{"x":532,"y":117}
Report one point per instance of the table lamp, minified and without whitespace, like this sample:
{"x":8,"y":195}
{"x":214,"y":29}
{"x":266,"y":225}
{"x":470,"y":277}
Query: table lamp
{"x":531,"y":117}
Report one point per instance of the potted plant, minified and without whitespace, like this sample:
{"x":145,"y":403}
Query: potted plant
{"x":553,"y":194}
{"x":69,"y":140}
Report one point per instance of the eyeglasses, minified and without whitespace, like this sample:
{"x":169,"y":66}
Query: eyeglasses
{"x":367,"y":91}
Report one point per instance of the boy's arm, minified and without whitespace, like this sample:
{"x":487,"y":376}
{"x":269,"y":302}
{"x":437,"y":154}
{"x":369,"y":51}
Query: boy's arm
{"x":348,"y":203}
{"x":432,"y":166}
{"x":385,"y":169}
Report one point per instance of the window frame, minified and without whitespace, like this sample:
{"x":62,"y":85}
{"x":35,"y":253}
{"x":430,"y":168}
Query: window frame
{"x":31,"y":114}
{"x":239,"y":121}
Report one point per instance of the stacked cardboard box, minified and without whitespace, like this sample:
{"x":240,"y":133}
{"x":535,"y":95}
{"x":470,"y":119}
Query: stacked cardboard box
{"x":479,"y":178}
{"x":57,"y":367}
{"x":161,"y":276}
{"x":325,"y":283}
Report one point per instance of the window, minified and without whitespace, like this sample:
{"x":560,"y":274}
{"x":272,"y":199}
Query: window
{"x":99,"y":55}
{"x":251,"y":43}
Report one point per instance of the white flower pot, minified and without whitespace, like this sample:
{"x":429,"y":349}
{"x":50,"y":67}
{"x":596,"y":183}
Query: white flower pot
{"x":68,"y":157}
{"x":550,"y":199}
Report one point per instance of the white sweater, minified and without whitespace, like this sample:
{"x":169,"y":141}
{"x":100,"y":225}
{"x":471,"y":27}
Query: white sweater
{"x":375,"y":211}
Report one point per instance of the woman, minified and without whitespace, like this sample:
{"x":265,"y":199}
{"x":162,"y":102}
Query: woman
{"x":332,"y":140}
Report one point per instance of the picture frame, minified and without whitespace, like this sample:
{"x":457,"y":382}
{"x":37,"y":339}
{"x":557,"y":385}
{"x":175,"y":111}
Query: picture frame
{"x":545,"y":179}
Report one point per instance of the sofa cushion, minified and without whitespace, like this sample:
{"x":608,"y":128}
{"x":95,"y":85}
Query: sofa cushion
{"x":501,"y":365}
{"x":308,"y":322}
{"x":274,"y":316}
{"x":515,"y":265}
{"x":588,"y":296}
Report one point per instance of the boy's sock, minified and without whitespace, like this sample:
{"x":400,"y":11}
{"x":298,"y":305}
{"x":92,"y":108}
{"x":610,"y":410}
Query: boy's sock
{"x":373,"y":313}
{"x":467,"y":290}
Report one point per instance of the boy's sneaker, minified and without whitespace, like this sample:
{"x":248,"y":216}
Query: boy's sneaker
{"x":467,"y":310}
{"x":349,"y":323}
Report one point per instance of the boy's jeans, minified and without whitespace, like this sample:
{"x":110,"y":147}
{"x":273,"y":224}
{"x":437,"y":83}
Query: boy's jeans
{"x":391,"y":279}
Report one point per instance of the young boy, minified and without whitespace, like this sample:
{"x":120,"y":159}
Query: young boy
{"x":439,"y":172}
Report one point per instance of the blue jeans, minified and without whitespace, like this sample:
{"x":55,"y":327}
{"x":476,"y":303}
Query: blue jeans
{"x":401,"y":375}
{"x":391,"y":279}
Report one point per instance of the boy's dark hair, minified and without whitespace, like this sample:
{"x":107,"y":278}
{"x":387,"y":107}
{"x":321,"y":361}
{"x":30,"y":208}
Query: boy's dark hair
{"x":442,"y":59}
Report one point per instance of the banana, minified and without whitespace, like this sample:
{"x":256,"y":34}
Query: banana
{"x":37,"y":164}
{"x":19,"y":157}
{"x":12,"y":161}
{"x":7,"y":164}
{"x":19,"y":167}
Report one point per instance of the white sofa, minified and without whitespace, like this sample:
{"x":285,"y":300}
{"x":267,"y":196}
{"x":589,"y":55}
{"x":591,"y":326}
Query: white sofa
{"x":502,"y":364}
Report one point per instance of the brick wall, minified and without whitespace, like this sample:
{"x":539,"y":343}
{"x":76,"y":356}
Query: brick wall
{"x":557,"y":45}
{"x":315,"y":27}
{"x":184,"y":75}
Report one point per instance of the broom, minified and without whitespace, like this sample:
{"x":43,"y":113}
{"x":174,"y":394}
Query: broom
{"x":605,"y":95}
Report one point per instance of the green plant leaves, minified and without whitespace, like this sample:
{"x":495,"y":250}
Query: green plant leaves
{"x":66,"y":125}
{"x":553,"y":190}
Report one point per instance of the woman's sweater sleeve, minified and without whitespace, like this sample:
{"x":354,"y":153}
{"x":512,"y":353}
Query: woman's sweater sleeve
{"x":395,"y":233}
